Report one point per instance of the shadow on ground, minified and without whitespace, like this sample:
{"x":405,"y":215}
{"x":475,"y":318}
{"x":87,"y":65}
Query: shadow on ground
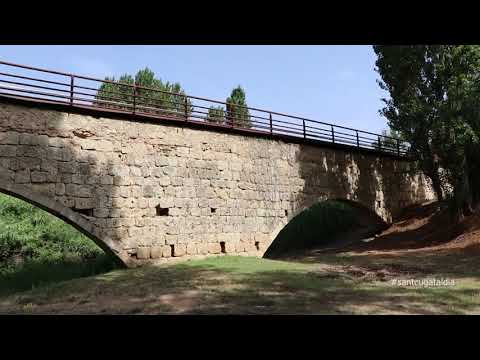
{"x":234,"y":285}
{"x":37,"y":273}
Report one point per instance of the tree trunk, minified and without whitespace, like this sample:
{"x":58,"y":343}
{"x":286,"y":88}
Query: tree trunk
{"x":463,"y":193}
{"x":437,"y":185}
{"x":431,"y":169}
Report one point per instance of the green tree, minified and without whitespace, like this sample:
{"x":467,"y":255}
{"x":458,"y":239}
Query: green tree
{"x":216,"y":114}
{"x":434,"y":97}
{"x":237,"y":113}
{"x":160,"y":98}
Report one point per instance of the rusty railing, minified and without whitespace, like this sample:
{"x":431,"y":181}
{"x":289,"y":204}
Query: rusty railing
{"x":31,"y":83}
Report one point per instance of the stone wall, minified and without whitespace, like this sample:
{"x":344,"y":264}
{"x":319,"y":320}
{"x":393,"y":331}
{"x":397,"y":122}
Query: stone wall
{"x":156,"y":191}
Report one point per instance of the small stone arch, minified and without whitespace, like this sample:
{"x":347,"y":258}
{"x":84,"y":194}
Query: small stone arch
{"x":66,"y":214}
{"x":369,"y":223}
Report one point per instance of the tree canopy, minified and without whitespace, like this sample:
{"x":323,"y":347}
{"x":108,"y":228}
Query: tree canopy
{"x":434,"y":100}
{"x":169,"y":99}
{"x":216,"y":114}
{"x":236,"y":113}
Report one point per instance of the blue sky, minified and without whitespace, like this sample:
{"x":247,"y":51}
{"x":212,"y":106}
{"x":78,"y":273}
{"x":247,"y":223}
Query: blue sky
{"x":335,"y":84}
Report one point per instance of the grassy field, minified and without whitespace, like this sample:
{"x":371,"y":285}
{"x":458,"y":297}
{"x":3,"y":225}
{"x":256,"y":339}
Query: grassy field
{"x":36,"y":248}
{"x":318,"y":284}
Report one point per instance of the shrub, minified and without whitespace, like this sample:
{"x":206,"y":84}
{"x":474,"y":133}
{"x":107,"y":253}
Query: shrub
{"x":36,"y":247}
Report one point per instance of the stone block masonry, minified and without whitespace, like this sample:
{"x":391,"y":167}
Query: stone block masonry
{"x":157,"y":192}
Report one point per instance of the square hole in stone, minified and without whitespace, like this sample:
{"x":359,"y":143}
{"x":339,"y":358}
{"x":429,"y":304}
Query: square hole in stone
{"x":172,"y":250}
{"x":213,"y":210}
{"x":286,"y":212}
{"x":86,"y":212}
{"x":257,"y":244}
{"x":161,"y":211}
{"x":222,"y":247}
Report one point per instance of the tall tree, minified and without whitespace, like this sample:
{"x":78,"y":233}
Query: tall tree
{"x":164,"y":98}
{"x":237,"y":113}
{"x":434,"y":97}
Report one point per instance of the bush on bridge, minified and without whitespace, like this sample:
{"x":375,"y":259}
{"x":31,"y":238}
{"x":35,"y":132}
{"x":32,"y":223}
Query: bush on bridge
{"x":170,"y":98}
{"x":216,"y":114}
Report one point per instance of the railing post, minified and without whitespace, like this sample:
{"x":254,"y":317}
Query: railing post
{"x":398,"y":147}
{"x":271,"y":124}
{"x":379,"y":144}
{"x":186,"y":107}
{"x":71,"y":89}
{"x":333,"y":135}
{"x":358,"y":141}
{"x":134,"y":97}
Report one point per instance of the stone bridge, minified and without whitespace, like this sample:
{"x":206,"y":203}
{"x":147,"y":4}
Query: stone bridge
{"x":147,"y":191}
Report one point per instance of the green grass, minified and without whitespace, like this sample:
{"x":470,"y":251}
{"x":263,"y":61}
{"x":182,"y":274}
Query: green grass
{"x":246,"y":285}
{"x":245,"y":265}
{"x":36,"y":248}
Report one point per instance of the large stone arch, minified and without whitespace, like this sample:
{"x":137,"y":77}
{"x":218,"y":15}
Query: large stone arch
{"x":78,"y":221}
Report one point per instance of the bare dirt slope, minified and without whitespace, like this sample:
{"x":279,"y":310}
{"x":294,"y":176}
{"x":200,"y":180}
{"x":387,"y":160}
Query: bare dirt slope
{"x":424,"y":227}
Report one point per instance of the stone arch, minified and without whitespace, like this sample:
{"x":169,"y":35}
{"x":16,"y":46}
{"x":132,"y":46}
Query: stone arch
{"x":64,"y":213}
{"x":368,"y":223}
{"x":362,"y":208}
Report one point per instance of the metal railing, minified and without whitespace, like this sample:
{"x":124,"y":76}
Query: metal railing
{"x":43,"y":85}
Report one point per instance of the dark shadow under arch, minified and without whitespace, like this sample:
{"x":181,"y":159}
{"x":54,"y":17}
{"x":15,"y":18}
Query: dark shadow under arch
{"x":60,"y":211}
{"x":364,"y":210}
{"x":324,"y":223}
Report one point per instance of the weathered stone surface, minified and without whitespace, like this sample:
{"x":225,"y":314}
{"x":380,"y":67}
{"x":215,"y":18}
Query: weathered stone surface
{"x":192,"y":249}
{"x":230,"y":247}
{"x":156,"y":252}
{"x":214,"y":248}
{"x":8,"y":150}
{"x":202,"y":248}
{"x":179,"y":250}
{"x":166,"y":251}
{"x":84,"y":203}
{"x":38,"y":177}
{"x":9,"y":138}
{"x":22,"y":177}
{"x":143,"y":253}
{"x":150,"y":184}
{"x":240,"y":247}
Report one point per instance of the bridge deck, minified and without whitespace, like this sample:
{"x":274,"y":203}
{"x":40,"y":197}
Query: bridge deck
{"x":95,"y":96}
{"x":195,"y":124}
